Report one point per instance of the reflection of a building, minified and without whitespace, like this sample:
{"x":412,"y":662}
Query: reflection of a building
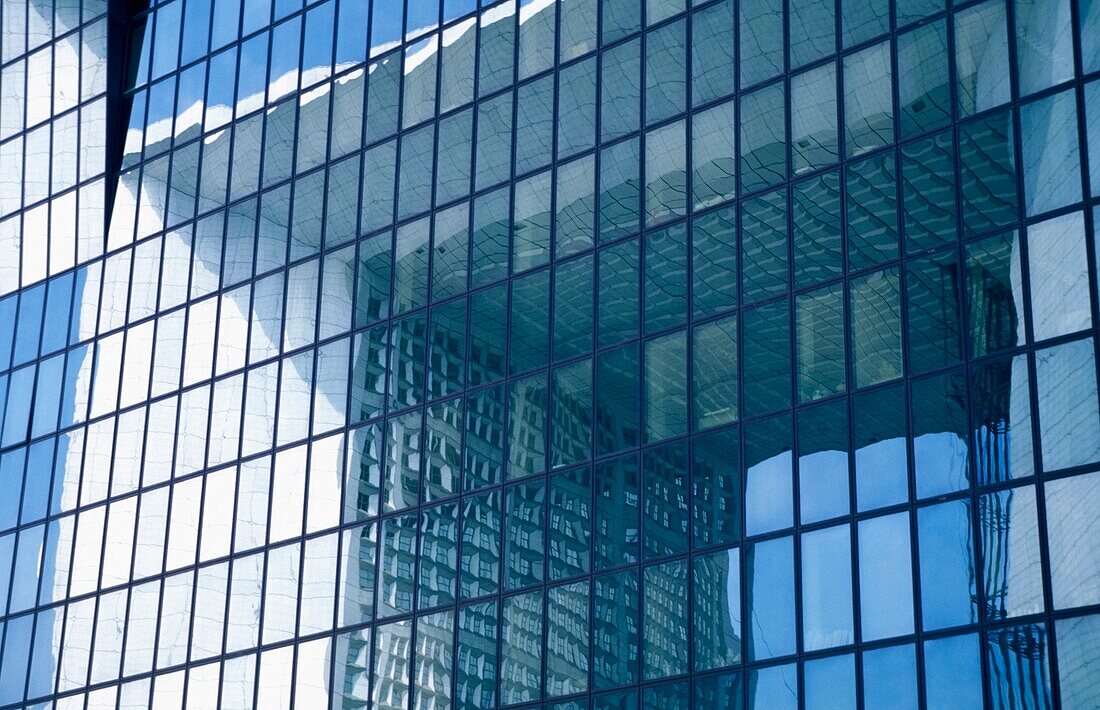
{"x":1018,"y":664}
{"x":387,"y":462}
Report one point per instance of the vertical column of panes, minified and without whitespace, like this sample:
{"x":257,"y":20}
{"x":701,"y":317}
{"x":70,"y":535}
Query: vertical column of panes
{"x":53,"y":127}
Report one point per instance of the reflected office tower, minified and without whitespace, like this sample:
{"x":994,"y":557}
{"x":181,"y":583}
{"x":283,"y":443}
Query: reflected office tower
{"x":563,"y":354}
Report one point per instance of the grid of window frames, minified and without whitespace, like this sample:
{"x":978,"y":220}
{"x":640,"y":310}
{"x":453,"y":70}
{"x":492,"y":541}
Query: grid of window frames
{"x":568,"y":354}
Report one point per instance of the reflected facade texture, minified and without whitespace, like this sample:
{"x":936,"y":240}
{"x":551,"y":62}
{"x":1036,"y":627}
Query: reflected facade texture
{"x":571,"y":354}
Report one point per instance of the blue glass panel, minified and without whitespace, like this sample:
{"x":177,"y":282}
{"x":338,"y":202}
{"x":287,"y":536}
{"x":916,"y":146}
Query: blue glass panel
{"x":953,"y":673}
{"x":58,"y":302}
{"x":28,"y":334}
{"x":831,"y":683}
{"x":770,"y":601}
{"x":890,"y":678}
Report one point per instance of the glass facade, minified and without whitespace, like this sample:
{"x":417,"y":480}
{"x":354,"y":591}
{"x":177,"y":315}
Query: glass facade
{"x":571,"y":354}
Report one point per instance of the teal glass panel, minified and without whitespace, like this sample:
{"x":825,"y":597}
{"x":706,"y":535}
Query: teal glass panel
{"x":617,"y":522}
{"x":716,"y":488}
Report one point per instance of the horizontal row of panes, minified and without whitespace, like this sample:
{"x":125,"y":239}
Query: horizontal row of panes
{"x":594,"y":301}
{"x":646,"y":507}
{"x":664,"y":620}
{"x":500,"y":433}
{"x":569,"y":207}
{"x":403,"y":98}
{"x":1044,"y":45}
{"x":457,"y":662}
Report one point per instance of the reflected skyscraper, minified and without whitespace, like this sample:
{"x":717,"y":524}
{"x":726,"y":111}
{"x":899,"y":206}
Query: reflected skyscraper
{"x":571,"y":354}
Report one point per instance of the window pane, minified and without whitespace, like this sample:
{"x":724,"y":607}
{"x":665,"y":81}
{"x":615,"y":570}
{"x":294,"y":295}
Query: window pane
{"x":617,"y":399}
{"x":763,"y":138}
{"x":616,"y":636}
{"x":713,"y":166}
{"x":1044,"y":43}
{"x":940,"y":451}
{"x":827,"y":588}
{"x":988,"y":173}
{"x":531,"y":223}
{"x":714,"y":262}
{"x":812,"y":30}
{"x":437,"y":556}
{"x":816,"y":237}
{"x":712,"y":70}
{"x":664,"y":650}
{"x":434,"y":656}
{"x":520,"y":666}
{"x":1001,"y":416}
{"x":761,"y":40}
{"x":525,"y":523}
{"x":885,"y":577}
{"x":876,"y":328}
{"x":480,"y":545}
{"x":620,"y":89}
{"x":953,"y":672}
{"x":1077,"y":642}
{"x":882,"y":476}
{"x":819,"y":320}
{"x":764,"y":245}
{"x":766,"y":351}
{"x":1013,"y":579}
{"x":716,"y":488}
{"x":717,"y":618}
{"x":890,"y":678}
{"x":924,"y":91}
{"x":666,"y":386}
{"x":872,"y":211}
{"x":1059,"y":273}
{"x":814,"y":119}
{"x":666,"y":72}
{"x":534,"y":125}
{"x":823,"y":478}
{"x":665,"y":294}
{"x":830,"y":682}
{"x":664,"y":509}
{"x":715,"y":373}
{"x":576,"y":107}
{"x":1074,"y":557}
{"x":617,"y":529}
{"x":619,"y":293}
{"x":1051,"y":160}
{"x":935,"y":330}
{"x":1069,"y":423}
{"x":574,"y":317}
{"x":995,"y":293}
{"x":578,"y":28}
{"x":981,"y":57}
{"x":1018,"y":666}
{"x":947,"y":573}
{"x":769,"y":572}
{"x":619,"y":194}
{"x":868,"y":108}
{"x":477,"y":651}
{"x":567,"y":639}
{"x":570,"y":523}
{"x":666,"y":173}
{"x":862,"y":20}
{"x":928,"y":169}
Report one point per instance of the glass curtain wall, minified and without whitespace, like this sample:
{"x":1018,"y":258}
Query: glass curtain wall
{"x":570,"y":354}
